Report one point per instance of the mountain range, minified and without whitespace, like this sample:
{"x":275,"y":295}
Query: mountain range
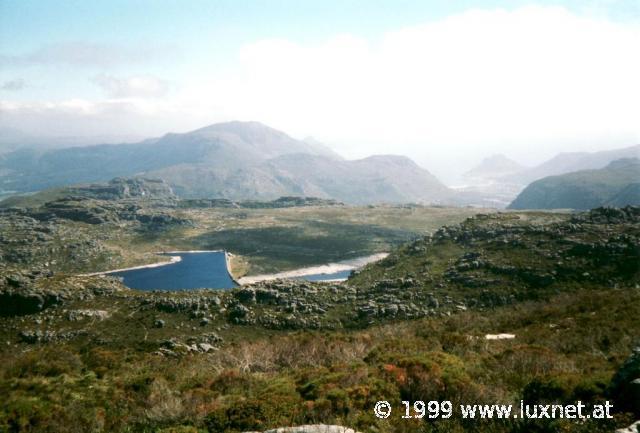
{"x":251,"y":161}
{"x":235,"y":160}
{"x":499,"y":180}
{"x":571,"y":162}
{"x":493,"y":168}
{"x":616,"y":185}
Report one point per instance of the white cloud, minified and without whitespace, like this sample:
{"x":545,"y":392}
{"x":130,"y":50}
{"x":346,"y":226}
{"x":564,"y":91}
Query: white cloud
{"x":145,"y":86}
{"x":81,"y":117}
{"x":529,"y":82}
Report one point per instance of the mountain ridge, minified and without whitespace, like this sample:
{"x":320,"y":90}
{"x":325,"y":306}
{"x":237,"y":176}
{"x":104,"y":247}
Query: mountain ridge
{"x":614,"y":185}
{"x":234,"y":160}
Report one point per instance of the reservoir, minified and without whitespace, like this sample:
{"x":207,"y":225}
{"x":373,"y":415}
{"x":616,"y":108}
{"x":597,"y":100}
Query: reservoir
{"x":196,"y":270}
{"x":189,"y":270}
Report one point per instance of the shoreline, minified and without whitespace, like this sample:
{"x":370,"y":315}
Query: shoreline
{"x":173,"y":259}
{"x":330,"y":268}
{"x":189,"y":251}
{"x":227,"y":259}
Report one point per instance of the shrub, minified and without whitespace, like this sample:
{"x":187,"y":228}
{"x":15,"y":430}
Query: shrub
{"x":239,"y":416}
{"x":49,"y":362}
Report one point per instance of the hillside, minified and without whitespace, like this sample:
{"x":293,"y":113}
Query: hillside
{"x":421,"y":324}
{"x":614,"y":185}
{"x":380,"y":178}
{"x":234,"y":160}
{"x":570,"y":162}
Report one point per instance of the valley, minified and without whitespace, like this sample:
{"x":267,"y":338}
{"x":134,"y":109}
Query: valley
{"x":284,"y":216}
{"x":288,"y":352}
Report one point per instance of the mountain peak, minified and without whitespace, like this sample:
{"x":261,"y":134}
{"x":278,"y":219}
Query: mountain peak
{"x":236,"y":125}
{"x":494,"y":167}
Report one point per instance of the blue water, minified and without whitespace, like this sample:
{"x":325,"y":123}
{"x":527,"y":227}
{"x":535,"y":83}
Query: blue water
{"x":341,"y":275}
{"x":195,"y":271}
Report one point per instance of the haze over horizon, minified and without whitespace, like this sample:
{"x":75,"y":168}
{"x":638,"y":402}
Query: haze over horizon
{"x":445,"y":84}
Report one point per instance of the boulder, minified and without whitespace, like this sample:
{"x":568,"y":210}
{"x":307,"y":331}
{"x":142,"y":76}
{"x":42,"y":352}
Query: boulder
{"x":633,"y":428}
{"x":625,"y":385}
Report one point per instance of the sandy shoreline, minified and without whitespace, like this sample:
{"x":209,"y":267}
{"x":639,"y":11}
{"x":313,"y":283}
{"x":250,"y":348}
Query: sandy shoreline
{"x":330,"y":268}
{"x":173,"y":259}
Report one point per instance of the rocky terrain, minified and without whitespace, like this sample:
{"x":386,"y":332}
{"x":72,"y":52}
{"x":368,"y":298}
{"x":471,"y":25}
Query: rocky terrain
{"x":77,"y":228}
{"x":123,"y":223}
{"x":535,"y":275}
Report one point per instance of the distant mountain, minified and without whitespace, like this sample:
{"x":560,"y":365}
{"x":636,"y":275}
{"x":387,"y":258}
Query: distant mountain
{"x":483,"y":184}
{"x":320,"y":148}
{"x":492,"y":168}
{"x":618,"y":184}
{"x":388,"y":178}
{"x":391,"y":179}
{"x":498,"y":180}
{"x":570,"y":162}
{"x":234,"y":160}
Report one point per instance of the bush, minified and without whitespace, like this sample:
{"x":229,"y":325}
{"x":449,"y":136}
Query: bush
{"x":241,"y":415}
{"x":432,"y":376}
{"x":49,"y":362}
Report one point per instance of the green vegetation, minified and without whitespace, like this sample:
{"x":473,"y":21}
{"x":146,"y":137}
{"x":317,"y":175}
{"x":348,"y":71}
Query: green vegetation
{"x":84,"y":353}
{"x":565,"y":350}
{"x":80,"y":231}
{"x":615,"y":185}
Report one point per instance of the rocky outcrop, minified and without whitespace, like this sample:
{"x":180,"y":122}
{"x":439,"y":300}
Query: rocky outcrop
{"x":19,"y":295}
{"x":38,"y":336}
{"x":633,"y":428}
{"x":24,"y":293}
{"x":85,"y":210}
{"x":625,"y":385}
{"x":123,"y":188}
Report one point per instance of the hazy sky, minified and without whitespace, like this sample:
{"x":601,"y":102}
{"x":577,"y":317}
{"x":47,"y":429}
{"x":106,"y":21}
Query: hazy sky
{"x":445,"y":82}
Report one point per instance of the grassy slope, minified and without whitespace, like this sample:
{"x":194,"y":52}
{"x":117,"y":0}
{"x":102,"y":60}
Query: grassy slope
{"x":568,"y":347}
{"x":570,"y":338}
{"x":584,"y":189}
{"x":572,"y":333}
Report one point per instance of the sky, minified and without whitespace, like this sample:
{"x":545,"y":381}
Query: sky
{"x":446,"y":83}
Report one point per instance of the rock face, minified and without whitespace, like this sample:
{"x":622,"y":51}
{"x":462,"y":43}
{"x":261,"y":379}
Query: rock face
{"x":19,"y":295}
{"x":315,"y":428}
{"x":24,"y":293}
{"x":123,"y":188}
